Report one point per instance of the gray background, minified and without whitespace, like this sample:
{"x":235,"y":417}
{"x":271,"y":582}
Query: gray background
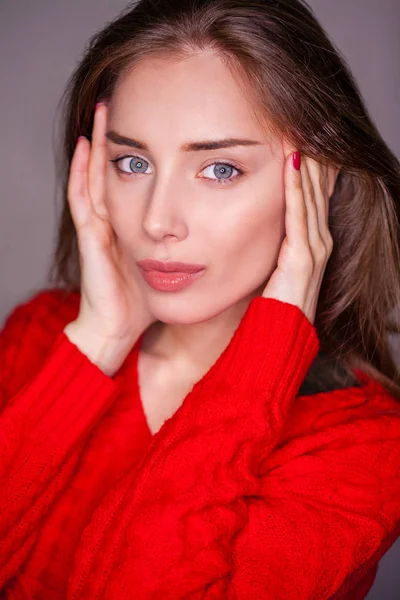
{"x":40,"y":44}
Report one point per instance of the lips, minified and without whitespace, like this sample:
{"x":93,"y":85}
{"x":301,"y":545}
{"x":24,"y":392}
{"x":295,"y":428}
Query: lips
{"x":169,"y":267}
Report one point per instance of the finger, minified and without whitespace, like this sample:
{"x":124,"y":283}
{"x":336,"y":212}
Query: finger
{"x":327,"y":181}
{"x":296,"y":219}
{"x":319,"y":177}
{"x":333,"y":173}
{"x":98,"y":161}
{"x":312,"y":212}
{"x":77,"y":189}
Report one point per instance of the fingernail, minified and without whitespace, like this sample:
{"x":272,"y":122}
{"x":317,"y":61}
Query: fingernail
{"x":80,"y":138}
{"x":296,"y":160}
{"x":99,"y":104}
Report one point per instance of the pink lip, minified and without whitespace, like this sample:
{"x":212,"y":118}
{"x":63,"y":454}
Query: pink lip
{"x":169,"y":282}
{"x":169,"y":267}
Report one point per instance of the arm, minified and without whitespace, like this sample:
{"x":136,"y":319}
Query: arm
{"x":325,"y":518}
{"x":230,"y":509}
{"x":51,"y":395}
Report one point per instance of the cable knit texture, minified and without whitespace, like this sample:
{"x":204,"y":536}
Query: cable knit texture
{"x":249,"y":490}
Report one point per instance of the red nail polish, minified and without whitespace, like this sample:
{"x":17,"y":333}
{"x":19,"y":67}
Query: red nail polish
{"x":296,"y":160}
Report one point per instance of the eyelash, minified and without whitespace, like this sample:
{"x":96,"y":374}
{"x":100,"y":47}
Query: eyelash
{"x":115,"y":161}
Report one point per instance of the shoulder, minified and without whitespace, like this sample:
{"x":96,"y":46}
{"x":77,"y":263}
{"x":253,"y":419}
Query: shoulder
{"x":361,"y":403}
{"x":330,"y":488}
{"x":332,"y":396}
{"x":352,"y":425}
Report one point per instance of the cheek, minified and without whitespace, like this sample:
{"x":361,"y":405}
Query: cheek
{"x":246,"y":245}
{"x":265,"y":243}
{"x":251,"y":238}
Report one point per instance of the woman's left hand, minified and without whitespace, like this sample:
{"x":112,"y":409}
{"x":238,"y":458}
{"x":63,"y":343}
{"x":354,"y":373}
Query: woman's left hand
{"x":308,"y":244}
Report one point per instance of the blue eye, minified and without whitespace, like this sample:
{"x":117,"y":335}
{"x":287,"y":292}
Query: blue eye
{"x":221,"y":169}
{"x":132,"y":162}
{"x":136,"y":165}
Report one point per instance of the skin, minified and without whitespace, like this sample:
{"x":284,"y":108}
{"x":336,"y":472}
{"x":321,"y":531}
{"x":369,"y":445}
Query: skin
{"x":175,"y":210}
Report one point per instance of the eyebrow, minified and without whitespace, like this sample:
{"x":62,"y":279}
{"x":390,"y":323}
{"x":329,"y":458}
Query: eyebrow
{"x":122,"y":140}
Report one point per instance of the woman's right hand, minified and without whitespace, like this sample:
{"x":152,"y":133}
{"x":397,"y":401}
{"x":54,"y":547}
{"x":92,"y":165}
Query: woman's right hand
{"x":112,"y":307}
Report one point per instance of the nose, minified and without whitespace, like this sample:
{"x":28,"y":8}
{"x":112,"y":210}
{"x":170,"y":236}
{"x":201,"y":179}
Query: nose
{"x":164,"y":215}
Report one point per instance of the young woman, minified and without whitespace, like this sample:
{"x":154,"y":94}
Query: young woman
{"x":228,"y":426}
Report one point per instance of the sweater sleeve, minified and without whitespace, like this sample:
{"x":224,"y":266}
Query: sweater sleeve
{"x":324,"y":519}
{"x":46,"y":411}
{"x":224,"y":507}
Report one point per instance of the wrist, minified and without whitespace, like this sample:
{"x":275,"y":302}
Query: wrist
{"x":107,"y":354}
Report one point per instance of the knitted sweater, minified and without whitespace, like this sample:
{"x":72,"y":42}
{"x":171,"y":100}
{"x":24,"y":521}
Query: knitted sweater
{"x":249,"y":490}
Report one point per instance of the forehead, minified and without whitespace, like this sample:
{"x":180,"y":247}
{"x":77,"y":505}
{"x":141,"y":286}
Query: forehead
{"x":197,"y":94}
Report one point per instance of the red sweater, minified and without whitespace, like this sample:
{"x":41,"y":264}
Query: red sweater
{"x":248,"y":491}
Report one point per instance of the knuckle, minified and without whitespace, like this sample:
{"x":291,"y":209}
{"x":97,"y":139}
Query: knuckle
{"x":297,"y":184}
{"x":308,"y":187}
{"x":323,"y":250}
{"x":321,"y":253}
{"x":328,"y":240}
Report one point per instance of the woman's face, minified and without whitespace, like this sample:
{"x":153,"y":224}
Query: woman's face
{"x":194,"y":206}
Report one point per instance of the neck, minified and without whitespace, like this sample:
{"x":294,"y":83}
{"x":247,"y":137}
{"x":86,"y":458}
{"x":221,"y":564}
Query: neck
{"x":195,"y":347}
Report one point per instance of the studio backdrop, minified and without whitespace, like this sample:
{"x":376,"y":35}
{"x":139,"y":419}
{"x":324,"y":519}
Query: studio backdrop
{"x":40,"y":44}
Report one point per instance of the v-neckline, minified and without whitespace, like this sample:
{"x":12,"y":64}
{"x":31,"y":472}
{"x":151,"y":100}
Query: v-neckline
{"x":218,"y":367}
{"x":134,"y":369}
{"x":134,"y":365}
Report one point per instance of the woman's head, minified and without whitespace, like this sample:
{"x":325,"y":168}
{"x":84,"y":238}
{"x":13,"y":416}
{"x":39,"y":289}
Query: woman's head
{"x":173,"y":72}
{"x":223,"y":207}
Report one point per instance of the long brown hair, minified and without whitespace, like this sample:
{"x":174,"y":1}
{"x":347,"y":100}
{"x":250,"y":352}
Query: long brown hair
{"x":303,"y":86}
